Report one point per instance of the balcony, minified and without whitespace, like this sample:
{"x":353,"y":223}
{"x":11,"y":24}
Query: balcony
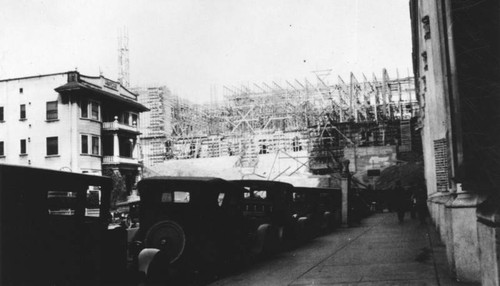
{"x":117,"y":126}
{"x":116,"y":160}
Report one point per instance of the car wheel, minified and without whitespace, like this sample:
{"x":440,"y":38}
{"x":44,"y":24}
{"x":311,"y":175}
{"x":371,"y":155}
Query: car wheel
{"x":169,"y":237}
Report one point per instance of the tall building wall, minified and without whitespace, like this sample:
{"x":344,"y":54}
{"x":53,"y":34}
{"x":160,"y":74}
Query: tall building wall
{"x":433,"y":91}
{"x":456,"y":58}
{"x":155,"y":125}
{"x":157,"y":121}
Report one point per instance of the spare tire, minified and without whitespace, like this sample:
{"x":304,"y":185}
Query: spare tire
{"x":169,"y":237}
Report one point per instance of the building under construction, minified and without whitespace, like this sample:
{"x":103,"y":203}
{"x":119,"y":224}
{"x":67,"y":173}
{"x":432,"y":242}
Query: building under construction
{"x":155,"y":124}
{"x":292,"y":116}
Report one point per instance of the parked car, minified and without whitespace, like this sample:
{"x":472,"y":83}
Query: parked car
{"x":269,"y":205}
{"x":320,"y":205}
{"x":127,"y":213}
{"x":54,"y":229}
{"x":189,"y":225}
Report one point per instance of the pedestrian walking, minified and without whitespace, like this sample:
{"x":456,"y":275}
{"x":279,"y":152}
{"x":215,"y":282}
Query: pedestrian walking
{"x":413,"y":204}
{"x":402,"y":200}
{"x":420,"y":194}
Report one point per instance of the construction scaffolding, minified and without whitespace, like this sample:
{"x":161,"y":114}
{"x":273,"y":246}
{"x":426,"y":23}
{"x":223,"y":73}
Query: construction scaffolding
{"x":292,"y":116}
{"x":298,"y":105}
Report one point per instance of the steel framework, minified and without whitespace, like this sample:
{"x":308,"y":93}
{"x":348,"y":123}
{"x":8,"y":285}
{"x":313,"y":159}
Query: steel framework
{"x":290,"y":107}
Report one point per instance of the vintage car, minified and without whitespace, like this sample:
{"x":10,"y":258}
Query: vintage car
{"x":189,"y":225}
{"x":269,"y":205}
{"x":126,"y":213}
{"x":54,"y":229}
{"x":320,"y":205}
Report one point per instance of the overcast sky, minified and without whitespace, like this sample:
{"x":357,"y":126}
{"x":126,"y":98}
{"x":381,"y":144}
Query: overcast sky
{"x":191,"y":45}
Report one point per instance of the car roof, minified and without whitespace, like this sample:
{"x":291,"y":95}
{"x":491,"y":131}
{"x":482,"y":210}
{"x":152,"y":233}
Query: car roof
{"x":316,"y":189}
{"x":17,"y":174}
{"x":262,"y":183}
{"x":198,"y":184}
{"x":183,"y":179}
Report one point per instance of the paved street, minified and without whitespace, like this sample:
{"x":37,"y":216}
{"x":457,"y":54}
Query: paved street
{"x":378,"y":252}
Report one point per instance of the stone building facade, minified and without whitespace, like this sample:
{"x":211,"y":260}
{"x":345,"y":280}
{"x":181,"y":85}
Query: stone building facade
{"x":456,"y":55}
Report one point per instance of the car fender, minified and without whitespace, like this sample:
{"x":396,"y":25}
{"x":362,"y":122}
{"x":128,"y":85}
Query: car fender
{"x":328,"y":217}
{"x":260,"y":238}
{"x":302,"y":228}
{"x":144,"y":259}
{"x":302,"y":221}
{"x":274,"y":238}
{"x":326,"y":220}
{"x":327,"y":214}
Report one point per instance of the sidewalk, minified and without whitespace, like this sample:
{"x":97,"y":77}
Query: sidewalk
{"x":378,"y":252}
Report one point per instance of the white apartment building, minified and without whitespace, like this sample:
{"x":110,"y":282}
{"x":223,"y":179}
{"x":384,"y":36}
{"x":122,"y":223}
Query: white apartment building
{"x":68,"y":121}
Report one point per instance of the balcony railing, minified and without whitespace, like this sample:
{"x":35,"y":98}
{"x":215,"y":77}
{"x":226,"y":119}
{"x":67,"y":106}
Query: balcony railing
{"x":119,"y":160}
{"x":115,"y":126}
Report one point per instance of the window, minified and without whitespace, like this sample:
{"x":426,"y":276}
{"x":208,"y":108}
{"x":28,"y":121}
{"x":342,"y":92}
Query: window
{"x":62,"y":203}
{"x":126,"y":147}
{"x":23,"y":146}
{"x":95,"y":145}
{"x":95,"y":110}
{"x":296,"y":145}
{"x":261,"y":194}
{"x":181,"y":197}
{"x":85,"y":144}
{"x":298,"y":197}
{"x":178,"y":197}
{"x":84,"y":107}
{"x":166,"y":197}
{"x":2,"y":152}
{"x":93,"y":203}
{"x":52,"y":146}
{"x":1,"y":113}
{"x":126,"y":118}
{"x":72,"y":76}
{"x":427,"y":27}
{"x":220,"y":199}
{"x":51,"y":110}
{"x":134,"y":119}
{"x":22,"y":111}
